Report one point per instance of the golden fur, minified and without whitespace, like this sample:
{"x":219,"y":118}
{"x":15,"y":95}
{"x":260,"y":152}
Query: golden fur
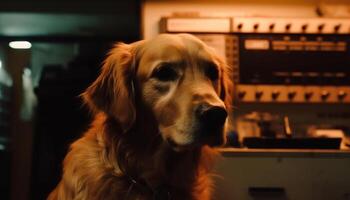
{"x":137,"y":112}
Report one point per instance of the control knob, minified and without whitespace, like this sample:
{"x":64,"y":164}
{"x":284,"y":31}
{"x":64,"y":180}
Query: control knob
{"x":320,"y":27}
{"x":240,"y":26}
{"x":304,"y":27}
{"x":241,"y":94}
{"x":308,"y":95}
{"x":256,"y":26}
{"x":272,"y":26}
{"x":324,"y":95}
{"x":341,"y":95}
{"x":337,"y":27}
{"x":288,"y":26}
{"x":275,"y":94}
{"x":258,"y":94}
{"x":291,"y":95}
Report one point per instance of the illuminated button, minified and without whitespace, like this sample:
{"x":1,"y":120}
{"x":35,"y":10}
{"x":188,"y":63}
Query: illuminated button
{"x":286,"y":38}
{"x":341,"y":95}
{"x":258,"y":95}
{"x":324,"y":95}
{"x":308,"y":95}
{"x":241,"y":94}
{"x":291,"y":95}
{"x":275,"y":94}
{"x":319,"y":39}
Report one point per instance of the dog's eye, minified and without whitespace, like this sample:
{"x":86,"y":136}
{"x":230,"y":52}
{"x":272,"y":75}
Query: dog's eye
{"x":165,"y":73}
{"x":212,"y":73}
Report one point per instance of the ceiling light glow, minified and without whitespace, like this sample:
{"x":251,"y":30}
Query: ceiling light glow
{"x":20,"y":45}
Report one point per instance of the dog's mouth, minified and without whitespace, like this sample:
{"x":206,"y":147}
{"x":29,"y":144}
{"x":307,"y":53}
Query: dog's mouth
{"x":180,"y":147}
{"x":212,"y":137}
{"x":198,"y":141}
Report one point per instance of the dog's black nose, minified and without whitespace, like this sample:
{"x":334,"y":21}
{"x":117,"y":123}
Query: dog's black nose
{"x":211,"y":116}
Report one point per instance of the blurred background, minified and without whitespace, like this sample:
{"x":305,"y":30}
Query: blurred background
{"x":291,"y":64}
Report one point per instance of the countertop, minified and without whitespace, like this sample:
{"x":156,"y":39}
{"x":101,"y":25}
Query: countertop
{"x":245,"y":152}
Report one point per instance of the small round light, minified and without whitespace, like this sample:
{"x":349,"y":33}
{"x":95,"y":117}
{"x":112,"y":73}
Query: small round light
{"x":20,"y":45}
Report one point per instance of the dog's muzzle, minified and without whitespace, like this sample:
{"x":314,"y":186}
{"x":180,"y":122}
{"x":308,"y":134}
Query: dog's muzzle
{"x":211,"y":120}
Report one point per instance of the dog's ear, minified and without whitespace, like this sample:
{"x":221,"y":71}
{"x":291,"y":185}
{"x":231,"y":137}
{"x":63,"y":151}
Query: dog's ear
{"x":226,"y":91}
{"x":112,"y":92}
{"x":226,"y":84}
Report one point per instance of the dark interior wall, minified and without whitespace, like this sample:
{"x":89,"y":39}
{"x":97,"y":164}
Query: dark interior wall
{"x":59,"y":116}
{"x":69,"y":20}
{"x":69,"y":6}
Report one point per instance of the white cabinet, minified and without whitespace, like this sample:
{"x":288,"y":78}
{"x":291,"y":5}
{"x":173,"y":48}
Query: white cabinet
{"x":283,"y":174}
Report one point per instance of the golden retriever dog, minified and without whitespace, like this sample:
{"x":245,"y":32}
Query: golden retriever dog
{"x":160,"y":105}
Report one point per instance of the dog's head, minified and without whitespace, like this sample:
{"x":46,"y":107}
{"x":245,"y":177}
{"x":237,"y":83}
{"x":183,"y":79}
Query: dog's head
{"x":177,"y":78}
